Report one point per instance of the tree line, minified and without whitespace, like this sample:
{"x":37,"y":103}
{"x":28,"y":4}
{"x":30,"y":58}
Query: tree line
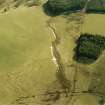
{"x":57,"y":7}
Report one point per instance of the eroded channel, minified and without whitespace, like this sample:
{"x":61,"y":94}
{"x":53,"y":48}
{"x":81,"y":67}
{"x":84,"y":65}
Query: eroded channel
{"x":60,"y":73}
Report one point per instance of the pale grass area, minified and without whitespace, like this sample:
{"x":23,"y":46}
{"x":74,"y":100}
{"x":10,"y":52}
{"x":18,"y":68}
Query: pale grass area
{"x":66,"y":37}
{"x":85,"y":100}
{"x":66,"y":45}
{"x":94,"y":23}
{"x":26,"y":66}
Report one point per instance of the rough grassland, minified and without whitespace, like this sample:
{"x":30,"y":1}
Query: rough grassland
{"x":25,"y":58}
{"x":89,"y":76}
{"x":26,"y":66}
{"x":95,"y":23}
{"x":68,"y":30}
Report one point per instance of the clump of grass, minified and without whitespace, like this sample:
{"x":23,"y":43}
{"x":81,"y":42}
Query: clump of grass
{"x":89,"y":47}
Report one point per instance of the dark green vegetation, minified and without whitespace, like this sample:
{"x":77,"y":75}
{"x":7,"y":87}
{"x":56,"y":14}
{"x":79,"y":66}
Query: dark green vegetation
{"x":102,"y":101}
{"x":96,"y":6}
{"x":89,"y":47}
{"x":56,"y":7}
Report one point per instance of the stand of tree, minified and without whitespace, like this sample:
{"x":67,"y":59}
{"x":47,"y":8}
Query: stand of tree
{"x":56,"y":7}
{"x":96,"y":6}
{"x":89,"y":47}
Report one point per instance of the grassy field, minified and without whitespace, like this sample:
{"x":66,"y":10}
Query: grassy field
{"x":68,"y":30}
{"x":94,"y":23}
{"x":90,"y":76}
{"x":26,"y":65}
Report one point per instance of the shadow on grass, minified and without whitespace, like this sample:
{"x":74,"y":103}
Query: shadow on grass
{"x":83,"y":59}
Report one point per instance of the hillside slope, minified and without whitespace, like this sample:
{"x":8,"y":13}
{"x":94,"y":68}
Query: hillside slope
{"x":25,"y":64}
{"x":29,"y":69}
